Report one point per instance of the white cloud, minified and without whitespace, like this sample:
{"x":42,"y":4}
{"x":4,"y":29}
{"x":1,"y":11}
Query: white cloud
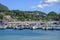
{"x":33,"y":6}
{"x":42,"y":5}
{"x":46,"y":3}
{"x":49,"y":1}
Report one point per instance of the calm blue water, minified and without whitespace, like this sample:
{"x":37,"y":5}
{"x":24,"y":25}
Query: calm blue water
{"x":29,"y":35}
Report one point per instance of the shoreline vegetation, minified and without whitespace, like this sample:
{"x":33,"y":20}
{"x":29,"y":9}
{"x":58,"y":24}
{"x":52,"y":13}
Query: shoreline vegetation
{"x":18,"y":19}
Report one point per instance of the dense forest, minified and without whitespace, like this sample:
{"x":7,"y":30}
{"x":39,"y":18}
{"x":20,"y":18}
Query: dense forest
{"x":29,"y":15}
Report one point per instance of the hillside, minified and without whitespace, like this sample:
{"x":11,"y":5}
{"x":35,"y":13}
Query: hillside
{"x":3,"y":7}
{"x":28,"y":15}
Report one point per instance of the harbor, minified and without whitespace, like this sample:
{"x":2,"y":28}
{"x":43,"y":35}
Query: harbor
{"x":29,"y":19}
{"x":32,"y":25}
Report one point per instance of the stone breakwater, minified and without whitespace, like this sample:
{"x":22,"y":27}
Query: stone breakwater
{"x":44,"y":25}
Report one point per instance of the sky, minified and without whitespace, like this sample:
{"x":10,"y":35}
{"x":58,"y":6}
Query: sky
{"x":33,"y":5}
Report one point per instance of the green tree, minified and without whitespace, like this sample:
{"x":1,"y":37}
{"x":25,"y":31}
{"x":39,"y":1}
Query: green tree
{"x":3,"y":8}
{"x":59,"y":16}
{"x":52,"y":15}
{"x":1,"y":17}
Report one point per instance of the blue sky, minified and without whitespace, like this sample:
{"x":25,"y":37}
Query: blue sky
{"x":40,"y":5}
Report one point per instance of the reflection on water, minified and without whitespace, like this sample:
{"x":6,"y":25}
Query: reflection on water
{"x":29,"y":35}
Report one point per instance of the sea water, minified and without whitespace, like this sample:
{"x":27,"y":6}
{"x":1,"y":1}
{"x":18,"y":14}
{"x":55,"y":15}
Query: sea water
{"x":27,"y":34}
